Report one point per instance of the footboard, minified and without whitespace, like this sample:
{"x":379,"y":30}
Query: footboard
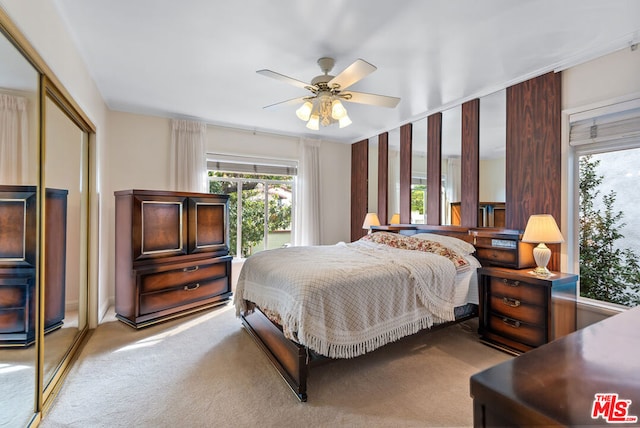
{"x":288,"y":357}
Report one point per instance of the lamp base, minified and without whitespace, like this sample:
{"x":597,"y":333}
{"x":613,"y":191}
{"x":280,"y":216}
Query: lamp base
{"x":542,"y":254}
{"x":542,"y":272}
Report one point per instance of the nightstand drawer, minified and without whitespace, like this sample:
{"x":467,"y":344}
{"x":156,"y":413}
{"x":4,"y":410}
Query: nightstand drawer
{"x":517,"y":330}
{"x":518,"y":290}
{"x":517,"y":310}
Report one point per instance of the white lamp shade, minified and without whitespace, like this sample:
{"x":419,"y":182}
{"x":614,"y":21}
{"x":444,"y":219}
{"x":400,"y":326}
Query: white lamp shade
{"x":395,"y":219}
{"x":371,"y":219}
{"x":337,"y":110}
{"x":304,"y":112}
{"x":314,"y":122}
{"x":542,"y":228}
{"x":344,"y":122}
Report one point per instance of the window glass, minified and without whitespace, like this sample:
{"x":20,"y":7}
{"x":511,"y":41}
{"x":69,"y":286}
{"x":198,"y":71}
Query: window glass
{"x":609,"y":236}
{"x":260,"y":208}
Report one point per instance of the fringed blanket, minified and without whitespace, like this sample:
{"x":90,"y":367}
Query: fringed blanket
{"x":344,"y":300}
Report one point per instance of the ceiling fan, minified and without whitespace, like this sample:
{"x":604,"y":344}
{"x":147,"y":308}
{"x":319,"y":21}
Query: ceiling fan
{"x":323,"y":106}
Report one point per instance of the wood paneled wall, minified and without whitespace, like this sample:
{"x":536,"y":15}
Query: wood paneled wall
{"x":359,"y":187}
{"x":434,"y":167}
{"x":383,"y":177}
{"x":533,"y":161}
{"x":406,"y":134}
{"x":470,"y":163}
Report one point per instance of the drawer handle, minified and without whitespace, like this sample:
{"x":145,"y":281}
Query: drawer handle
{"x":514,"y":303}
{"x":193,"y":287}
{"x":511,"y":323}
{"x":511,"y":284}
{"x":190,"y":269}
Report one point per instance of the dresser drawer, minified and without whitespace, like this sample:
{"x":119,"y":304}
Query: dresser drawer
{"x":184,"y":295}
{"x":183,"y":276}
{"x":517,"y":310}
{"x":12,"y":320}
{"x":13,"y":292}
{"x":517,"y":330}
{"x":519,"y":290}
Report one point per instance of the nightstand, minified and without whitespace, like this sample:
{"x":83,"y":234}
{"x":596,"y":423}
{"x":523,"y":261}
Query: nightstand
{"x":520,"y":311}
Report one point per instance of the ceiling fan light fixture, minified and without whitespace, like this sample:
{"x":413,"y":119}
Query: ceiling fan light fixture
{"x":337,"y":109}
{"x":304,"y":112}
{"x":314,"y":122}
{"x":344,"y":121}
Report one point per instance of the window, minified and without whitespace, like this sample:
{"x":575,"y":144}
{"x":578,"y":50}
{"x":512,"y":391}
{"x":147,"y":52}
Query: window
{"x":606,"y":146}
{"x":261,"y":201}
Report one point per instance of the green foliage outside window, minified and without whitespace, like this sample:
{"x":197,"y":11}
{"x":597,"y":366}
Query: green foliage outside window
{"x":253,"y":200}
{"x":417,"y":198}
{"x":607,"y":273}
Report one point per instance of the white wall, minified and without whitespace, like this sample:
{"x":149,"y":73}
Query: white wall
{"x":138,"y":150}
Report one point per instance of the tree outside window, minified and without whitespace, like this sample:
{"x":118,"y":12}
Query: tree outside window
{"x":609,"y":272}
{"x":257,"y":190}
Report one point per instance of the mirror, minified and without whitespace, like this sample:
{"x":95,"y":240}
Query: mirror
{"x":66,"y":218}
{"x":19,"y":177}
{"x":393,"y":198}
{"x":492,"y":168}
{"x":419,"y":172}
{"x":373,"y":176}
{"x":451,"y":166}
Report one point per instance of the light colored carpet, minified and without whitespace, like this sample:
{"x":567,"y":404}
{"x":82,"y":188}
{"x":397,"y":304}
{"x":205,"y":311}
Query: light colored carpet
{"x":204,"y":370}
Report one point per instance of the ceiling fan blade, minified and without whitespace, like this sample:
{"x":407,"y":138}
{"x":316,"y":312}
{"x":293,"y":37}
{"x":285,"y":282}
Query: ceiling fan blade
{"x":350,"y":75}
{"x":373,"y":99}
{"x":292,"y":101}
{"x":283,"y":78}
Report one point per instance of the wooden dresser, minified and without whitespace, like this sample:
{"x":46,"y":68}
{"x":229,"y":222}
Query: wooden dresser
{"x":558,"y":383}
{"x":18,"y":261}
{"x":171,"y":254}
{"x":519,"y":311}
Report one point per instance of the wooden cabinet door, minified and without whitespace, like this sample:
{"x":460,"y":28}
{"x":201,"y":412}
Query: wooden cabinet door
{"x":159,"y":227}
{"x":208,"y":219}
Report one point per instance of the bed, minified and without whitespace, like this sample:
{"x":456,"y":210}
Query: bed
{"x":303,"y":305}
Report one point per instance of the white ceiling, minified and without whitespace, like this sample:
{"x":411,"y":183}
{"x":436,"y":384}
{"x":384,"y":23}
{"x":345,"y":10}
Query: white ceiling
{"x":198,"y":58}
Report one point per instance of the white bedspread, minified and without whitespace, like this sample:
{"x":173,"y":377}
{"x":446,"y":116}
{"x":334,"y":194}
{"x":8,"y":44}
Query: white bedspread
{"x":348,"y":299}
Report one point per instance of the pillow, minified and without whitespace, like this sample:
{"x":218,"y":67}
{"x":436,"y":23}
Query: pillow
{"x":455,"y":244}
{"x":404,"y":242}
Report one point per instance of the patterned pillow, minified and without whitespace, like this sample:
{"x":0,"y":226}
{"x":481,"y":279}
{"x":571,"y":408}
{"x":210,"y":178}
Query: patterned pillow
{"x":403,"y":242}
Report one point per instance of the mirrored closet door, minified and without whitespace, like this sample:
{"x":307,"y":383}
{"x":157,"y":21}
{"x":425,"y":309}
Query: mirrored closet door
{"x":44,"y":218}
{"x":66,"y":217}
{"x":19,"y":178}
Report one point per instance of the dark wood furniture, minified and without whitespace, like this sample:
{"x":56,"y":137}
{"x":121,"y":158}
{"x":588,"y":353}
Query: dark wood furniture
{"x":520,"y":311}
{"x":171,"y":254}
{"x":502,"y":247}
{"x":294,"y":361}
{"x":556,"y":384}
{"x":18,"y":261}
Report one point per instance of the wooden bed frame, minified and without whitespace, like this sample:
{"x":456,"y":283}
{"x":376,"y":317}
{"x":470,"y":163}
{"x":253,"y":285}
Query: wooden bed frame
{"x":294,"y":361}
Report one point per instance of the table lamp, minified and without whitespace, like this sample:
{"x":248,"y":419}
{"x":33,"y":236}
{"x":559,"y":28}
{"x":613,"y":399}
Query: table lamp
{"x":371,"y":219}
{"x":542,"y":229}
{"x":395,"y":219}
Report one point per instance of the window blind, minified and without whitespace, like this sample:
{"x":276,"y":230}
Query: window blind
{"x":247,"y":165}
{"x":620,"y":124}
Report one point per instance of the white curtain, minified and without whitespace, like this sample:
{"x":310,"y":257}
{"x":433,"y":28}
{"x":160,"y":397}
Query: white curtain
{"x":14,"y":140}
{"x":188,"y":156}
{"x":308,"y":195}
